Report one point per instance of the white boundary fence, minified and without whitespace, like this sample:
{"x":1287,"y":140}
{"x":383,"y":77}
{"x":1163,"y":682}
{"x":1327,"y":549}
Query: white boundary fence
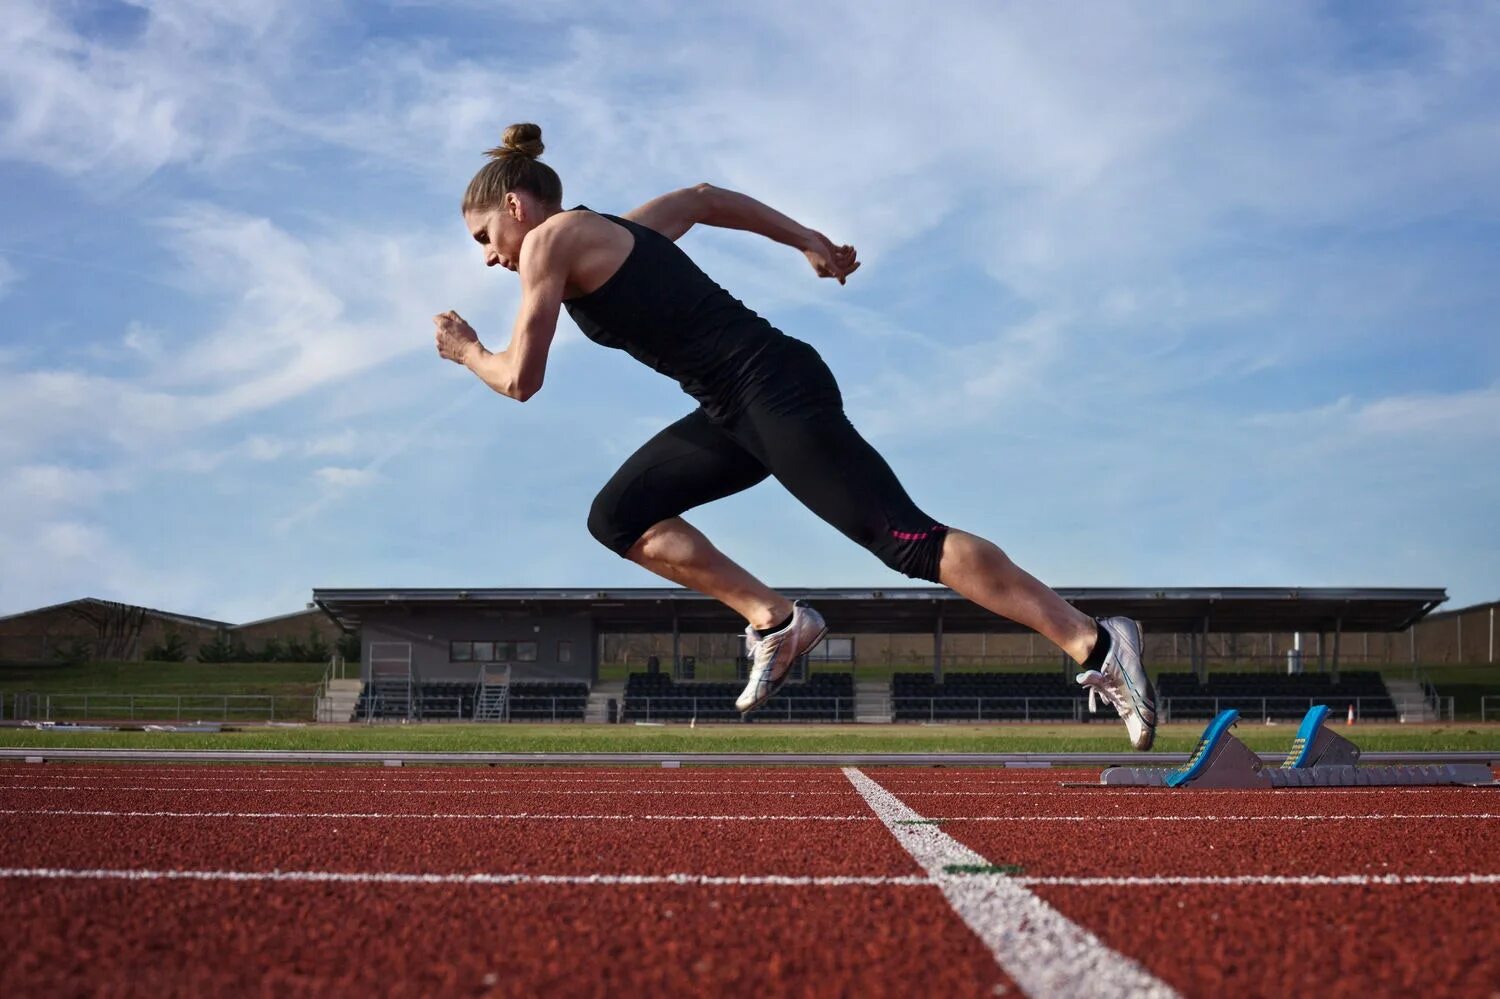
{"x":156,"y":707}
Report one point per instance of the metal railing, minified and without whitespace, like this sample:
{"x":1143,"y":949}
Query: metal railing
{"x":684,"y":707}
{"x":1484,"y":707}
{"x":158,"y":707}
{"x":545,"y":707}
{"x":1196,"y":708}
{"x":957,"y":707}
{"x":444,"y":707}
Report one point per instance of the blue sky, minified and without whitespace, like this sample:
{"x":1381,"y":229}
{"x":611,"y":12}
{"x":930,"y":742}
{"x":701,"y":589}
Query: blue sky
{"x":1153,"y":294}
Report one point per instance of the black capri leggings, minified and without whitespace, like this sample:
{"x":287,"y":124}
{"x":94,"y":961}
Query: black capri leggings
{"x":799,"y":434}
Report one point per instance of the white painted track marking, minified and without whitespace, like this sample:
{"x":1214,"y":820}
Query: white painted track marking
{"x":319,"y":789}
{"x":748,"y":880}
{"x":105,"y":780}
{"x":1270,"y":880}
{"x":393,"y":877}
{"x":492,"y":816}
{"x":1040,"y":949}
{"x":567,"y":817}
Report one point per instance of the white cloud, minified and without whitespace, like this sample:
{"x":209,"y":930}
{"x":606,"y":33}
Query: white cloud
{"x":142,"y":340}
{"x":9,"y":276}
{"x":192,"y":85}
{"x":36,"y":489}
{"x":345,"y":478}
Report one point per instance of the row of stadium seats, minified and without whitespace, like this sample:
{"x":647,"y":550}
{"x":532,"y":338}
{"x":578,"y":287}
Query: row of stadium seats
{"x":437,"y":700}
{"x":656,"y":697}
{"x":1278,"y":695}
{"x":914,"y":697}
{"x":983,"y":697}
{"x":548,"y":701}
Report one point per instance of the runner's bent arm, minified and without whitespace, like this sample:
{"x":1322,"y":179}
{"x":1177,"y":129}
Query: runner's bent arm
{"x":518,"y":370}
{"x":674,"y":214}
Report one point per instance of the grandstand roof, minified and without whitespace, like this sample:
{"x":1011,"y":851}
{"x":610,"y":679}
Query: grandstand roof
{"x":918,"y":608}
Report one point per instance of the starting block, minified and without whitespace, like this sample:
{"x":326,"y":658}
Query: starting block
{"x":1319,"y":757}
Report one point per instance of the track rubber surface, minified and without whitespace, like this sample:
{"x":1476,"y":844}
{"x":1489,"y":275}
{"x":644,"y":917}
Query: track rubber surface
{"x":236,"y":881}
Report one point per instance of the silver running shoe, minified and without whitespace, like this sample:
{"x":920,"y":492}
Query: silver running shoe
{"x":771,"y":657}
{"x":1123,"y":682}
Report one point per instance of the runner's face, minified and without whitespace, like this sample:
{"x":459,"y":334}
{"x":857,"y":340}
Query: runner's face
{"x":498,"y":232}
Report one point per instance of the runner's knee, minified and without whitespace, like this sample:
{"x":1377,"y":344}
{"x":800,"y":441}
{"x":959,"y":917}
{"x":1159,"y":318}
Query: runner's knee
{"x":916,"y":554}
{"x":610,"y":522}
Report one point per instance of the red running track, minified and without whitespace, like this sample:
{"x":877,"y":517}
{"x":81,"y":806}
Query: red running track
{"x":561,"y":880}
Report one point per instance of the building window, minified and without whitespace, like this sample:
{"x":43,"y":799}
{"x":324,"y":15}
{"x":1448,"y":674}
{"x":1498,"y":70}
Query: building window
{"x":492,"y":652}
{"x":564,"y":651}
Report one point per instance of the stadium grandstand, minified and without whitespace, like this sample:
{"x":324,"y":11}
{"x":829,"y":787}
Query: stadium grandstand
{"x":577,"y":654}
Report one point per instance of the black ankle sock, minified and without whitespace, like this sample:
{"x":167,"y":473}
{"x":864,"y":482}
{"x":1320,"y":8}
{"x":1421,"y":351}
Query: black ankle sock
{"x":1101,"y":648}
{"x":763,"y":632}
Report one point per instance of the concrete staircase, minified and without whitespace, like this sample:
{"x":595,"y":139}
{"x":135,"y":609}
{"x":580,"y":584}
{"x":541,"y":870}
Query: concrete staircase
{"x":872,"y":701}
{"x":338,"y":703}
{"x":597,"y":710}
{"x":1411,"y":704}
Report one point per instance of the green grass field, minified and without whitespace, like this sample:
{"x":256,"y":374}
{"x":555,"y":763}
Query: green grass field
{"x":742,"y":738}
{"x":158,"y":687}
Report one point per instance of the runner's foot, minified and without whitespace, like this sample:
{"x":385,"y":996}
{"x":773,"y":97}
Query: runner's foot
{"x":772,"y":656}
{"x":1122,"y":681}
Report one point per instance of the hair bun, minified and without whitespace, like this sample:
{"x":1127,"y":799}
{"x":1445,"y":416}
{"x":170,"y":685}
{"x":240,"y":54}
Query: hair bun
{"x":523,"y":139}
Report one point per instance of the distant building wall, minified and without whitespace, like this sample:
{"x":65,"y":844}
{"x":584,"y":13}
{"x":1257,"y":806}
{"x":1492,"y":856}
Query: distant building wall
{"x":301,"y":626}
{"x":91,"y":629}
{"x":563,"y":646}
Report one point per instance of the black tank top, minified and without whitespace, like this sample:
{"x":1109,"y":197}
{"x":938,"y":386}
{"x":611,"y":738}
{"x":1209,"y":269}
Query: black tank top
{"x":662,"y":310}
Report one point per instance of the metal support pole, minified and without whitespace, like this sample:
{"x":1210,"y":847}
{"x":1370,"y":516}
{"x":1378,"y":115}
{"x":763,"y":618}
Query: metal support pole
{"x":1492,"y":634}
{"x":937,"y":645}
{"x":676,"y":646}
{"x":1338,"y":634}
{"x":1322,"y":660}
{"x":1203,"y":652}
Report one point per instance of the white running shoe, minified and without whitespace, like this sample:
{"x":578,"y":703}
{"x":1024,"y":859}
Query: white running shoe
{"x":1123,"y":681}
{"x":771,"y":657}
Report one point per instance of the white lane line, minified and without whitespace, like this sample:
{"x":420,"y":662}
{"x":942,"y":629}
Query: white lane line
{"x":711,"y":880}
{"x":415,"y":771}
{"x":396,"y":877}
{"x":565,"y":817}
{"x":1040,"y":949}
{"x":1271,"y":880}
{"x":377,"y":779}
{"x":1377,"y":817}
{"x":318,"y":789}
{"x":491,"y":816}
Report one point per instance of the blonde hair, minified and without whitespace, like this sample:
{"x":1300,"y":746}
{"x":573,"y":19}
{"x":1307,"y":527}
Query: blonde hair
{"x":514,"y":166}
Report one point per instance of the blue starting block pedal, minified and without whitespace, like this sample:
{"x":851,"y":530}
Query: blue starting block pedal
{"x":1319,"y":757}
{"x":1316,"y":746}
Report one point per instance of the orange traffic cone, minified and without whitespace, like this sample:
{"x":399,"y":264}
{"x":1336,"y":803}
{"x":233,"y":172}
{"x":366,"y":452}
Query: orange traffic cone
{"x":1350,"y":720}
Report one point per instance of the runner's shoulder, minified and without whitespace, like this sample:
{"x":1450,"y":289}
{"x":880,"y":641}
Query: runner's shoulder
{"x":570,"y":232}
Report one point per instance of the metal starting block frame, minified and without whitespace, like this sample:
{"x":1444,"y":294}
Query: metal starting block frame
{"x":1319,"y":757}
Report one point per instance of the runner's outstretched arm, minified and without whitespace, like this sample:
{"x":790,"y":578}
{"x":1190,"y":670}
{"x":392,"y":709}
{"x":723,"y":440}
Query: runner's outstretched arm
{"x":518,"y":370}
{"x":674,"y":214}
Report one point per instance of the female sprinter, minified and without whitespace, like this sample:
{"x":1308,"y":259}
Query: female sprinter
{"x":767,"y":405}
